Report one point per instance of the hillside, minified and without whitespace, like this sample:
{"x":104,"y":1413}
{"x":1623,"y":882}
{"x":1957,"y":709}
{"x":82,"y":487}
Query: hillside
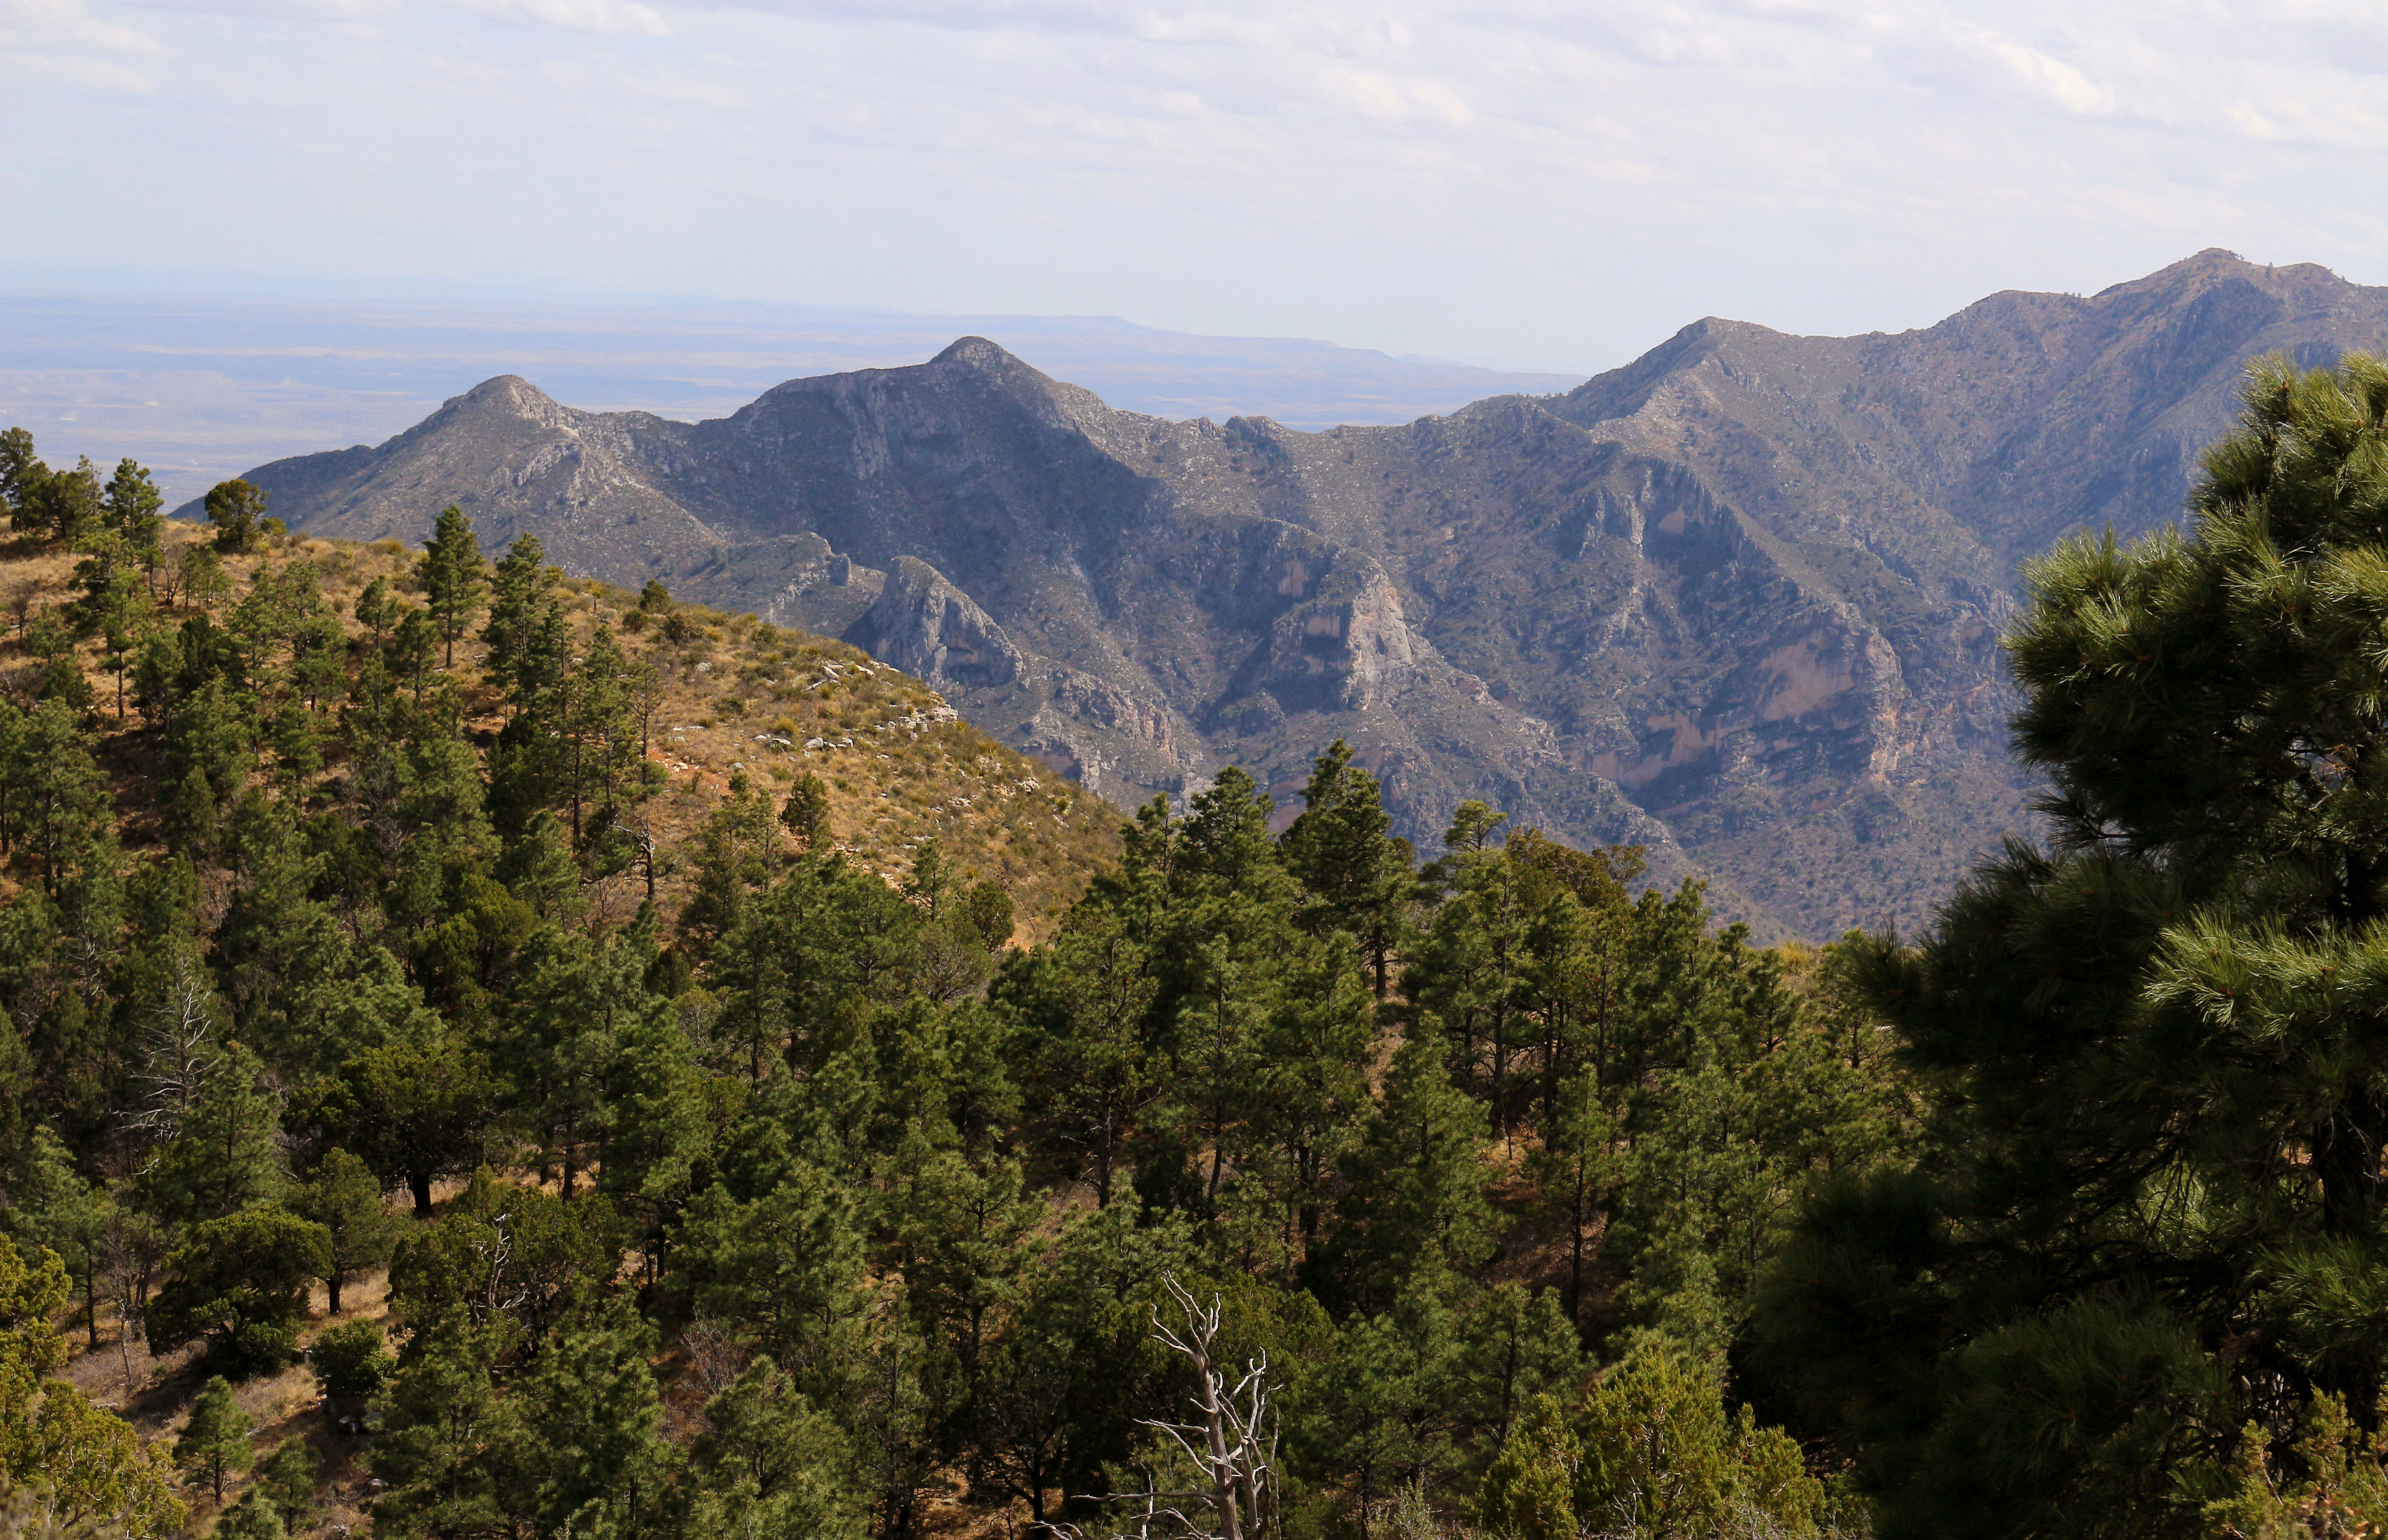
{"x":1736,"y":602}
{"x":375,"y":1164}
{"x":737,"y":695}
{"x":494,"y":1055}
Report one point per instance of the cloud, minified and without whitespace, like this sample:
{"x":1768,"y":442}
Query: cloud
{"x":581,"y":16}
{"x":97,"y":74}
{"x":61,"y":41}
{"x":1460,"y":177}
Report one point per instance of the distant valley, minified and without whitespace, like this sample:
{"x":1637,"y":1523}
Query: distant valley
{"x":1737,"y":602}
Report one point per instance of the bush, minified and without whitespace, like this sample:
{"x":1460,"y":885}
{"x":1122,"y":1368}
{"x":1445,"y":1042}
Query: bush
{"x":241,"y":1282}
{"x":351,"y":1361}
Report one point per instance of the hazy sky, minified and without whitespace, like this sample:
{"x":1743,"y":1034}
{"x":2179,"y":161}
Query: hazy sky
{"x":1512,"y":182}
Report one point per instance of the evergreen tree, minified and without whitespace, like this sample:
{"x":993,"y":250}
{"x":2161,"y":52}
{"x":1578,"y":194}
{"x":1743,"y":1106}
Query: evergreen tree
{"x":215,"y":1441}
{"x":376,"y":609}
{"x":446,"y":1437}
{"x":805,"y":812}
{"x":509,"y":1256}
{"x":20,"y":468}
{"x":288,"y":1480}
{"x":453,"y":578}
{"x":414,"y":648}
{"x":770,"y":1462}
{"x":415,"y":1110}
{"x":1530,"y":1492}
{"x":1416,"y":1184}
{"x":224,"y":1153}
{"x":241,"y":1282}
{"x":592,"y":1456}
{"x":516,"y":588}
{"x":344,"y":1197}
{"x":783,"y":1266}
{"x":63,"y":506}
{"x":90,"y":1466}
{"x":132,"y":504}
{"x":1087,"y":999}
{"x":351,"y":1361}
{"x":1356,"y":873}
{"x":2155,"y":1157}
{"x":238,"y":509}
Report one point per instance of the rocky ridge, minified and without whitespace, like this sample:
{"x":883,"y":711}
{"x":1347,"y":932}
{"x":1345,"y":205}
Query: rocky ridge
{"x":1737,"y":602}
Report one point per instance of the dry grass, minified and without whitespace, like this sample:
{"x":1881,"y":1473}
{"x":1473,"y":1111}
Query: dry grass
{"x":740,"y":695}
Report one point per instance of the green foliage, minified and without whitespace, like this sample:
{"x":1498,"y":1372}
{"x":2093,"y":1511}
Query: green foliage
{"x":591,"y":1453}
{"x":770,"y":1462}
{"x":240,"y":1281}
{"x":447,"y":1436}
{"x":238,"y":509}
{"x":504,"y":1253}
{"x":1529,"y":1494}
{"x":215,"y":1441}
{"x":413,"y":1110}
{"x":1663,"y":1458}
{"x":1416,"y":1182}
{"x":350,"y":1360}
{"x":884,"y":1190}
{"x":345,"y":1198}
{"x":805,"y":812}
{"x":1357,"y":874}
{"x":453,"y":576}
{"x":2149,"y":1196}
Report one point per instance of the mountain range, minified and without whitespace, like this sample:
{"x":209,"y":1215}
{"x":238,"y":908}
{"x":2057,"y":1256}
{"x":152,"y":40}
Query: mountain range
{"x":1737,"y":602}
{"x":196,"y":387}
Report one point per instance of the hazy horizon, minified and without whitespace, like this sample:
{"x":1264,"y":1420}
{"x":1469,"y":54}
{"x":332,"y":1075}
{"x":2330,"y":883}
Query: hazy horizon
{"x":201,"y":388}
{"x":1528,"y":185}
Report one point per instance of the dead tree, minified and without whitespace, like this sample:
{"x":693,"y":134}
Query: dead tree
{"x":1232,"y":1446}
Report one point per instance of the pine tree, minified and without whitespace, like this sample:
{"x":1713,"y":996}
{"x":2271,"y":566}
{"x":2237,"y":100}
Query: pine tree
{"x":345,"y":1197}
{"x":446,"y":1437}
{"x":287,"y":1481}
{"x":215,"y":1441}
{"x":132,"y":505}
{"x":1416,"y":1182}
{"x":240,"y":1281}
{"x":516,"y":588}
{"x":590,"y":1451}
{"x":1357,"y":874}
{"x":1529,"y":1494}
{"x":1089,"y":1067}
{"x":222,"y":1155}
{"x":770,"y":1462}
{"x":376,"y":609}
{"x":20,"y":468}
{"x":238,"y":509}
{"x":453,"y":578}
{"x":805,"y":812}
{"x":2160,"y":1106}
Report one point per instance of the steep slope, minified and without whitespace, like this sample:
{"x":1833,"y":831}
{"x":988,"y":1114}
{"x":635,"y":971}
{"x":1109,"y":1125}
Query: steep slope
{"x":1737,"y":602}
{"x":736,"y":694}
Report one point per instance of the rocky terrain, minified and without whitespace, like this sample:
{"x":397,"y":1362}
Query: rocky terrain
{"x":1737,"y":602}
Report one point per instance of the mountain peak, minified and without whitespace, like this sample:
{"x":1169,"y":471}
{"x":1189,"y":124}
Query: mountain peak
{"x":978,"y":352}
{"x":511,"y":396}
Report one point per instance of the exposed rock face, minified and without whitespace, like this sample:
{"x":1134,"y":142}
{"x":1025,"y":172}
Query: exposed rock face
{"x":1738,"y":602}
{"x":926,"y":627}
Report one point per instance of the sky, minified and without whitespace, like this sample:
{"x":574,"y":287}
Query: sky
{"x":1519,"y":184}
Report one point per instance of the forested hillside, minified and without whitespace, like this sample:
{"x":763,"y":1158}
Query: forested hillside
{"x":444,"y":1111}
{"x":457,"y":1099}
